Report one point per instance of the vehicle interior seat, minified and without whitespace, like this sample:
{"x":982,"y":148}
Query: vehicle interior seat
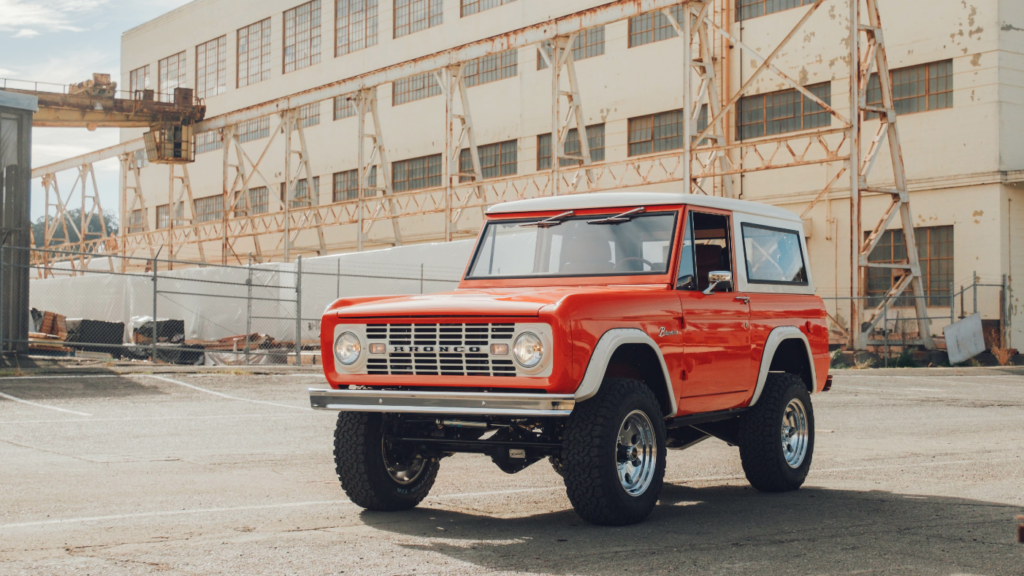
{"x":709,"y":258}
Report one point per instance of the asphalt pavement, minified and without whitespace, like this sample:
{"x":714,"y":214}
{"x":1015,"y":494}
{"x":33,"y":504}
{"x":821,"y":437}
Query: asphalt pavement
{"x":915,"y":472}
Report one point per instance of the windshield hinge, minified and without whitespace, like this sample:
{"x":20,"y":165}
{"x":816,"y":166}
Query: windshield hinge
{"x":553,"y":221}
{"x":624,"y":217}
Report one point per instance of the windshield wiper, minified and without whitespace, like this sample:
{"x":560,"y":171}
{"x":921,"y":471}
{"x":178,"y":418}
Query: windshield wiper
{"x":553,"y":221}
{"x":624,"y":217}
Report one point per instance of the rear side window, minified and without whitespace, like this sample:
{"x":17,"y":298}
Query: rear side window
{"x":774,"y":256}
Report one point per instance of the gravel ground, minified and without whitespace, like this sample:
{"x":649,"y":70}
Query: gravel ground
{"x":915,"y":472}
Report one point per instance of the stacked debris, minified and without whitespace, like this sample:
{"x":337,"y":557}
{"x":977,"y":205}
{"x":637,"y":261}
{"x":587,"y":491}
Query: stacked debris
{"x":49,"y":333}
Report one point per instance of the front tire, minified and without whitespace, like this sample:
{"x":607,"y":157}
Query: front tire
{"x":777,"y":435}
{"x":613,"y":454}
{"x":375,"y":474}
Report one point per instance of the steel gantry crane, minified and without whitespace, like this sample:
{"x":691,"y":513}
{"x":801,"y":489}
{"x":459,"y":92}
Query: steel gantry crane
{"x":709,"y":162}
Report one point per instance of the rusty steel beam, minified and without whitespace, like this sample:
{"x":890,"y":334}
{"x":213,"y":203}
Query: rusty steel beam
{"x":84,"y":110}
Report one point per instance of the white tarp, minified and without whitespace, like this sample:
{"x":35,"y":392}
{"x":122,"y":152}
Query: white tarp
{"x":214,"y":303}
{"x":964,"y":339}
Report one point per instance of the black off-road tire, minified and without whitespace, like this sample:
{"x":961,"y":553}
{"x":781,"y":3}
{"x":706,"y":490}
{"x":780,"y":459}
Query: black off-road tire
{"x":557,"y":466}
{"x":760,"y":436}
{"x":359,"y":461}
{"x":589,"y":454}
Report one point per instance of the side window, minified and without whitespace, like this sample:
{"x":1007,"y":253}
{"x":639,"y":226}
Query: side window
{"x":773,"y":256}
{"x":706,"y":249}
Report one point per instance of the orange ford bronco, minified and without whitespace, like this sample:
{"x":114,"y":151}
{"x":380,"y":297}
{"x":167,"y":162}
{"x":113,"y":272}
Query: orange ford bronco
{"x":595,"y":330}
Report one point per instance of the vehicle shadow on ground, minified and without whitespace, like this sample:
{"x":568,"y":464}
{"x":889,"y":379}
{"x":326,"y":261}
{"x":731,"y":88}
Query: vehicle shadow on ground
{"x":735,"y":530}
{"x":91,"y":386}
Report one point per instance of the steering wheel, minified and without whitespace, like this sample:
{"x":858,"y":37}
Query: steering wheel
{"x":624,"y":260}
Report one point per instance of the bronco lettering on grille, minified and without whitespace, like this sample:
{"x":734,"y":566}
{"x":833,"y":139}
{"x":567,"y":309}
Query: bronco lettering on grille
{"x":440,"y":349}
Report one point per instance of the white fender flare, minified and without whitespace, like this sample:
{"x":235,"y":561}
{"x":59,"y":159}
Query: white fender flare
{"x":777,"y":337}
{"x":602,"y":354}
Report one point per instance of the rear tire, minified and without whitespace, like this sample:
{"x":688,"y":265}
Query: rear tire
{"x":613,"y":454}
{"x":374,"y":475}
{"x":776,"y":436}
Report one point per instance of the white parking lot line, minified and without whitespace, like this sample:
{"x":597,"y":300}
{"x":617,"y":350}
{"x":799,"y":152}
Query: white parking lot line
{"x":37,"y":405}
{"x":228,"y":396}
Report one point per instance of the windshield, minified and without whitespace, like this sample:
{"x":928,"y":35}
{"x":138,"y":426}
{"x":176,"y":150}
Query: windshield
{"x":569,"y":245}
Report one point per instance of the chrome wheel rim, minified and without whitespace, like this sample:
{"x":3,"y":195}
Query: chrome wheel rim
{"x":400,"y":471}
{"x":636,"y":453}
{"x":795,"y":433}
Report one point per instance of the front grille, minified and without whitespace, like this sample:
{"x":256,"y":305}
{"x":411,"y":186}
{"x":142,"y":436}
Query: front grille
{"x":441,"y":349}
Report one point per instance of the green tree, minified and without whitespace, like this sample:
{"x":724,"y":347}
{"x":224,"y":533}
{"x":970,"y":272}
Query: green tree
{"x":73,"y":216}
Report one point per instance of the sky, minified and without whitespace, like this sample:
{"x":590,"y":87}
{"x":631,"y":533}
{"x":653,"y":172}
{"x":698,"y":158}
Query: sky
{"x":65,"y":41}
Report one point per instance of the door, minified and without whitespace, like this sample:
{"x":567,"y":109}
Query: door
{"x":716,"y":326}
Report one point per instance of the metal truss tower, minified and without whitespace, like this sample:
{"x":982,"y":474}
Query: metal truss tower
{"x":711,"y":159}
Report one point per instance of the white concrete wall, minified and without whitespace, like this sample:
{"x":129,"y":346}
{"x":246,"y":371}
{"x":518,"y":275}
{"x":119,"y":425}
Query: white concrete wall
{"x":958,"y":160}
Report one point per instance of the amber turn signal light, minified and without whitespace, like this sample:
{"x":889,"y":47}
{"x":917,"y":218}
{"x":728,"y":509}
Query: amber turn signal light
{"x":377,"y":348}
{"x":499,"y":349}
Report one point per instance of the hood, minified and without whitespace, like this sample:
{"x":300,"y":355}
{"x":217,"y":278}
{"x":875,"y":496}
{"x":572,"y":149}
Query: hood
{"x":514,"y":302}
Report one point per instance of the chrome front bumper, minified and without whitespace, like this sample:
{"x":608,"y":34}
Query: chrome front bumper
{"x":454,"y":403}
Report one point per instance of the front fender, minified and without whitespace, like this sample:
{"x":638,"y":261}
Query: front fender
{"x":602,"y":354}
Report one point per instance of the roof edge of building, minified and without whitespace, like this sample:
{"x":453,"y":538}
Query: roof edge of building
{"x":179,"y":11}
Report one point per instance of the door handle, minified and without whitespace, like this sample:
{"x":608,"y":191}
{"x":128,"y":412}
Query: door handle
{"x":743,"y":299}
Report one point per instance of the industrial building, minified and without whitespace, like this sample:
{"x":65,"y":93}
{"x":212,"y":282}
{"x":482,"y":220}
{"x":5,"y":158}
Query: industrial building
{"x":256,"y":188}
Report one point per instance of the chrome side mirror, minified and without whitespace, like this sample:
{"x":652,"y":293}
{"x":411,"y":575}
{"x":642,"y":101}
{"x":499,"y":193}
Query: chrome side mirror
{"x":716,"y":278}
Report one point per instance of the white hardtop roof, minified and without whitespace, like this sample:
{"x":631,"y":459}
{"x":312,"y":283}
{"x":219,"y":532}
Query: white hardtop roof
{"x":637,"y":199}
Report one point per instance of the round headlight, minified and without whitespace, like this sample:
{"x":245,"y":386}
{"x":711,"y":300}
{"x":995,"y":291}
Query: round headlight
{"x":347,"y":348}
{"x":528,"y":350}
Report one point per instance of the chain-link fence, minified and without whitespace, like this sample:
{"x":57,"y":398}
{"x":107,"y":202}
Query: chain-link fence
{"x":112,"y":307}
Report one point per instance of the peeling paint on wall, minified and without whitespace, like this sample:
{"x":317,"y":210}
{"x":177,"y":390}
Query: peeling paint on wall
{"x":976,"y":60}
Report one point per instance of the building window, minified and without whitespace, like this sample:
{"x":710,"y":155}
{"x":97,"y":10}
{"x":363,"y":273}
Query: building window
{"x":137,"y":221}
{"x":355,"y":25}
{"x":414,"y":88}
{"x":587,"y":44}
{"x":747,"y":9}
{"x":138,"y":81}
{"x":302,"y":36}
{"x":496,"y":160}
{"x":259,"y":202}
{"x":782,"y":112}
{"x":208,"y":142}
{"x":916,"y":89}
{"x":653,"y":26}
{"x":416,"y":173}
{"x":415,"y":15}
{"x":934,"y":249}
{"x":346,"y":184}
{"x":212,"y":68}
{"x":470,"y":7}
{"x":309,"y":114}
{"x":254,"y":53}
{"x":344,"y":107}
{"x":491,"y":68}
{"x":172,"y":75}
{"x":595,"y":138}
{"x":163,"y":215}
{"x":656,"y":133}
{"x":254,"y":130}
{"x":209,"y":209}
{"x":302,"y":197}
{"x":141,"y":159}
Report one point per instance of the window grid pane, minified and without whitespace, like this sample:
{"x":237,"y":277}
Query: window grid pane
{"x":208,"y":142}
{"x":915,"y":89}
{"x":254,"y":130}
{"x":344,"y":107}
{"x":747,"y":9}
{"x":416,"y":173}
{"x":501,"y":159}
{"x":653,"y":27}
{"x":310,"y":114}
{"x":172,"y":75}
{"x":783,"y":112}
{"x":254,"y":53}
{"x":302,"y":36}
{"x":470,"y":7}
{"x":415,"y":15}
{"x":491,"y":68}
{"x":209,"y":209}
{"x":935,"y":251}
{"x":588,"y":44}
{"x":138,"y":81}
{"x":414,"y":88}
{"x":355,"y":25}
{"x":212,"y":67}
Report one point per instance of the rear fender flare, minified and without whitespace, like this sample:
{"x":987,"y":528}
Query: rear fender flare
{"x":602,"y":355}
{"x":777,"y":337}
